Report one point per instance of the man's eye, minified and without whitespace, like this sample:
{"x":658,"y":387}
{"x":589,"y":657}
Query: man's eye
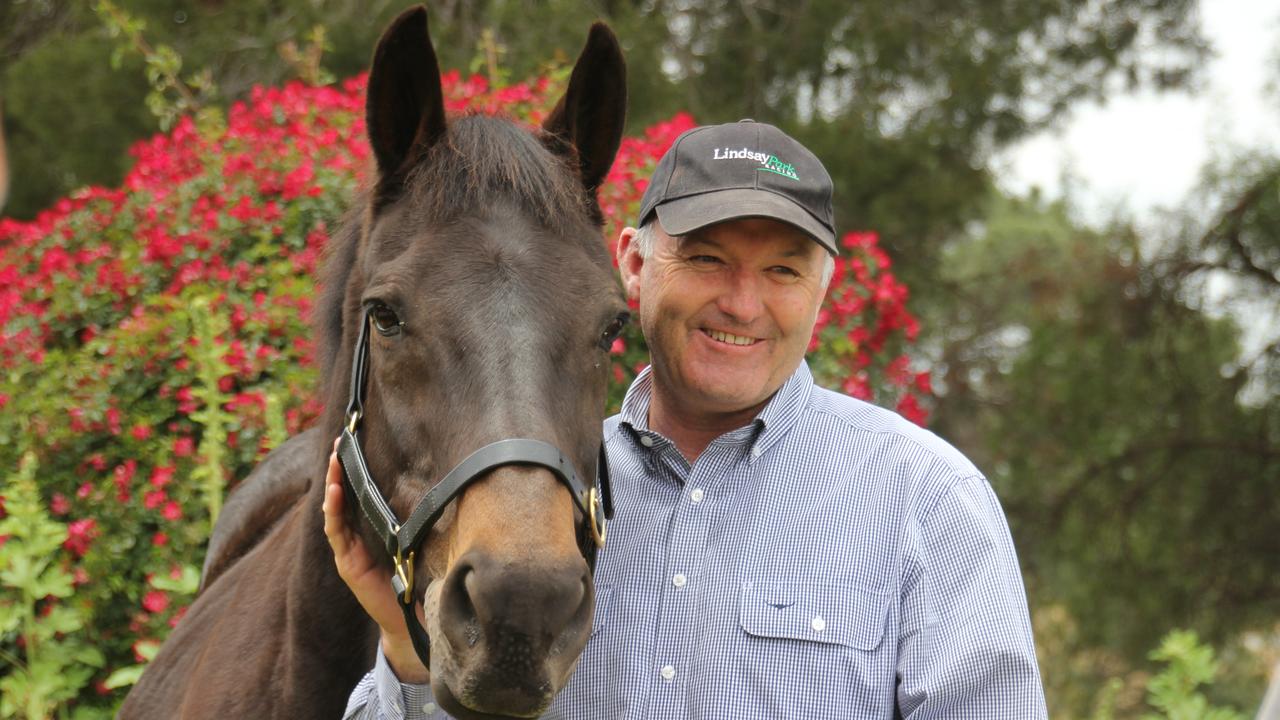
{"x":385,"y":319}
{"x":784,"y":270}
{"x":704,"y":259}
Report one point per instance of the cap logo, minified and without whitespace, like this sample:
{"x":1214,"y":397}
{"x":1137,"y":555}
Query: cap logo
{"x":769,"y":163}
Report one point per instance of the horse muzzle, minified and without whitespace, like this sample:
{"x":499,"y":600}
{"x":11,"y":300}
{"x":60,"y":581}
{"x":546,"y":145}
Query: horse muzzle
{"x":512,"y":633}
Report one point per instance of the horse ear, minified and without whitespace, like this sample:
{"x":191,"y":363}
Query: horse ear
{"x":404,"y":108}
{"x":594,"y":107}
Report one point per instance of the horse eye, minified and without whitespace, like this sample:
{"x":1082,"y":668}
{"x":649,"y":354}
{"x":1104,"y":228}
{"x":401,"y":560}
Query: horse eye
{"x":385,"y":319}
{"x":612,"y":332}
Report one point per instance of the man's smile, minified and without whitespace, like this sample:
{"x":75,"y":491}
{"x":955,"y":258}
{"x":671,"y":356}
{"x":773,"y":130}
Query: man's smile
{"x":729,"y":338}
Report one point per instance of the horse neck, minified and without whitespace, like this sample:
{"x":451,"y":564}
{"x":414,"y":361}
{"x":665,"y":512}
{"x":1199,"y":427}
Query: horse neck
{"x":318,"y":600}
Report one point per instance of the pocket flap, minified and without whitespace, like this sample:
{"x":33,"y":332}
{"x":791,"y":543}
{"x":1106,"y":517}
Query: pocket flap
{"x":818,"y":612}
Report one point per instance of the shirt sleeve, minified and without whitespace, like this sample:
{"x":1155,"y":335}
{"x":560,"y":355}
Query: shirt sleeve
{"x":381,"y":696}
{"x":966,"y":649}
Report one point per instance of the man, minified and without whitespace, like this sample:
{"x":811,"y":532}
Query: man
{"x":779,"y":550}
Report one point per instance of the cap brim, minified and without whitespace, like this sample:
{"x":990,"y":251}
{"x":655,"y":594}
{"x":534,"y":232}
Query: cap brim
{"x":694,"y":212}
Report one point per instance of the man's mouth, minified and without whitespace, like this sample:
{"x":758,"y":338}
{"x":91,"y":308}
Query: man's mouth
{"x":729,"y":338}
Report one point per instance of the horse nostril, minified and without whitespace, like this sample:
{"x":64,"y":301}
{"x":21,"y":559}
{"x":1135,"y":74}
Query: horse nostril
{"x":458,"y":612}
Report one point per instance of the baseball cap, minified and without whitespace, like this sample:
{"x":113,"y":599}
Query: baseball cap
{"x":740,"y":170}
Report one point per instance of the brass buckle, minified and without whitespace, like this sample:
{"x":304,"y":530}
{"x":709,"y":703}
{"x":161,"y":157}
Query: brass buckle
{"x":598,"y":526}
{"x":406,"y":576}
{"x":352,"y":420}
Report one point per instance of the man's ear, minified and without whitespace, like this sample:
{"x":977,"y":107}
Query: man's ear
{"x":630,"y":262}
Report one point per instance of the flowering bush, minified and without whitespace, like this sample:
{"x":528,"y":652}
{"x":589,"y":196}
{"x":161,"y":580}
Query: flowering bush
{"x":154,"y":340}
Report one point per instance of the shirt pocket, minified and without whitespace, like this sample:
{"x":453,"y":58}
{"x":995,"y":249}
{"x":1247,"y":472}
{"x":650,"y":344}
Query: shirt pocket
{"x":826,"y":613}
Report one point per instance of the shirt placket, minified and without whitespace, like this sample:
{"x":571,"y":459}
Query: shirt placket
{"x":678,"y":622}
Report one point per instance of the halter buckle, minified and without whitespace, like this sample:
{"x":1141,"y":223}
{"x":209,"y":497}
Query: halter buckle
{"x":598,"y":524}
{"x":352,"y":419}
{"x":405,"y":575}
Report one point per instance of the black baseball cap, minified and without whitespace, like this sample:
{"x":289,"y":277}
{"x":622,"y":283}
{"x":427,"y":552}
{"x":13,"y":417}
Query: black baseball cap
{"x":740,"y":170}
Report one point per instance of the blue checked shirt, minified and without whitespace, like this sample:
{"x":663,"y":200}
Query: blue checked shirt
{"x":829,"y":560}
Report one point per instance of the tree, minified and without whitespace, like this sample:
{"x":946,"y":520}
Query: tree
{"x":1137,"y":486}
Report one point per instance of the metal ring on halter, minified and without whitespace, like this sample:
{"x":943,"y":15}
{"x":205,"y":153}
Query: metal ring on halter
{"x":599,"y":528}
{"x":406,"y":576}
{"x":352,"y":419}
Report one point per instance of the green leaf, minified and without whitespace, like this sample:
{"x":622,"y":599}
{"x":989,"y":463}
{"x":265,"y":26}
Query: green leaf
{"x":124,"y":677}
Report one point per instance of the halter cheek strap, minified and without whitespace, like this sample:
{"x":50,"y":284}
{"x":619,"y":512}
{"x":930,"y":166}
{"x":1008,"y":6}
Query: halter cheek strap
{"x":398,"y":538}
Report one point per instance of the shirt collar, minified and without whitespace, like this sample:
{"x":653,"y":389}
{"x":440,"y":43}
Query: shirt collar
{"x":776,"y":418}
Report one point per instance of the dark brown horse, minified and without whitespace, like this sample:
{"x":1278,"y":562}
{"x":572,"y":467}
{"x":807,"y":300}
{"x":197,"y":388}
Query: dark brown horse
{"x":478,"y":258}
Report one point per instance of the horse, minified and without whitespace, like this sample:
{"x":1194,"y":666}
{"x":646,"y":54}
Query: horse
{"x":467,"y":302}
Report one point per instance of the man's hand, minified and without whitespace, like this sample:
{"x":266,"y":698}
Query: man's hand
{"x":369,"y":581}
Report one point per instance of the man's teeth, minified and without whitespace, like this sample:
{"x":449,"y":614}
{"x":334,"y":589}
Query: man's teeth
{"x":725,"y":337}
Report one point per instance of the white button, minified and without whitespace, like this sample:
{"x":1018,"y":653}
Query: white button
{"x":668,"y":673}
{"x":756,"y":452}
{"x":429,"y":708}
{"x":696,"y":495}
{"x":679,"y":580}
{"x":818,"y":624}
{"x":646,"y":441}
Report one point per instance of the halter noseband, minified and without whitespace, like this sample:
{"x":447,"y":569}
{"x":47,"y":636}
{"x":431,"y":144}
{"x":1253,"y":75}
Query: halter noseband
{"x":401,"y":538}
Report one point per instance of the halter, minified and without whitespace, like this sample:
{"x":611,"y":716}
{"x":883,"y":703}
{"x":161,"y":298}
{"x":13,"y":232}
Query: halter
{"x":402,"y":539}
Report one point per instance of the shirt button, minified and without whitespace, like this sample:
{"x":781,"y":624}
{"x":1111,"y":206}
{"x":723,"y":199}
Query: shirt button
{"x":756,"y":452}
{"x":646,"y":441}
{"x":818,"y":624}
{"x":668,"y":673}
{"x":696,"y":495}
{"x":429,"y":708}
{"x":679,"y":580}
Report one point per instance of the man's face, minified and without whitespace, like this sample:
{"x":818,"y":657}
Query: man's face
{"x":727,"y":311}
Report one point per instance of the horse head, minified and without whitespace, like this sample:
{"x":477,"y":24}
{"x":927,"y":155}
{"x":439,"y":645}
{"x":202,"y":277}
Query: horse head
{"x":480,"y":284}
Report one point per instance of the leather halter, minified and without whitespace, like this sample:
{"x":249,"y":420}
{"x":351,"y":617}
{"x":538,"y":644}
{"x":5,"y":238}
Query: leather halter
{"x":401,"y":540}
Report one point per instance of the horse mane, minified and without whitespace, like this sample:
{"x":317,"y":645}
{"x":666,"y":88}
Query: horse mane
{"x":480,"y":158}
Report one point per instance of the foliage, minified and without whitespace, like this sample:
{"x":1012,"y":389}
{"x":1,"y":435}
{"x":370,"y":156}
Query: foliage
{"x":1139,"y":490}
{"x":171,"y":96}
{"x":156,"y":335}
{"x":1226,"y":256}
{"x":50,"y":660}
{"x":1174,"y":692}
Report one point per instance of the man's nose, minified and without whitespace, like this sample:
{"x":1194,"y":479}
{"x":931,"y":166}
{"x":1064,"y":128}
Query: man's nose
{"x":741,"y":297}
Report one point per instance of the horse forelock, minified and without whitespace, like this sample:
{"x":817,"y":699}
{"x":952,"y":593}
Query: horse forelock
{"x":482,"y":157}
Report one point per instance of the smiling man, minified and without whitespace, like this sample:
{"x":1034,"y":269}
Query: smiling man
{"x":779,"y":550}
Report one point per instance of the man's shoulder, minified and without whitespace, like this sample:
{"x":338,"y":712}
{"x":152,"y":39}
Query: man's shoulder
{"x":866,"y":427}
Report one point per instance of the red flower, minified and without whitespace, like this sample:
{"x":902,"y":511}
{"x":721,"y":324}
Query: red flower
{"x":60,"y":505}
{"x":155,"y":601}
{"x":172,"y":511}
{"x":162,"y":475}
{"x":154,"y":499}
{"x":184,"y":446}
{"x":80,"y":535}
{"x":140,"y":431}
{"x":909,"y":407}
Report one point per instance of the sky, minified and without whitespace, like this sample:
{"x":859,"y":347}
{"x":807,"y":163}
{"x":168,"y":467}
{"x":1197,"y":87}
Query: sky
{"x":1142,"y":151}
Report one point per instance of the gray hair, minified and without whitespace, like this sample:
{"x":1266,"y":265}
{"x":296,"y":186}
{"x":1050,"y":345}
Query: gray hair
{"x":644,"y":240}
